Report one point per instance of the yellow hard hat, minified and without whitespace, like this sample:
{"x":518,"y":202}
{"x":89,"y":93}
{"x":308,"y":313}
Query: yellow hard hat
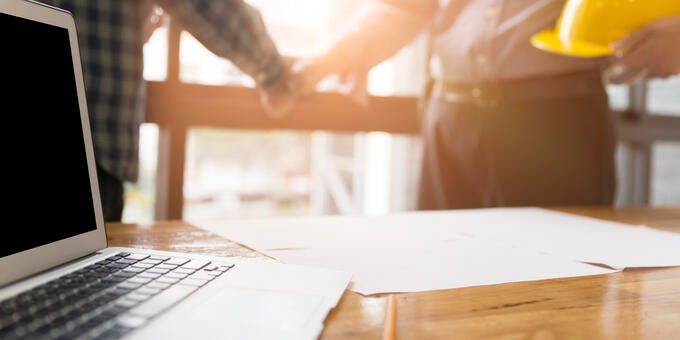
{"x":587,"y":27}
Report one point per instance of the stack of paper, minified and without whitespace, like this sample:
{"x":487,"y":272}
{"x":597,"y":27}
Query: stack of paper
{"x":439,"y":250}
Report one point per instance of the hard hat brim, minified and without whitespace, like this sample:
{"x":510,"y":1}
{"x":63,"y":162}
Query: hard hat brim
{"x":549,"y":41}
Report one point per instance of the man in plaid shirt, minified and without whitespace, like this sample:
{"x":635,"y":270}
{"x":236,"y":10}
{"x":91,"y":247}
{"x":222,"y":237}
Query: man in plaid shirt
{"x":111,"y":37}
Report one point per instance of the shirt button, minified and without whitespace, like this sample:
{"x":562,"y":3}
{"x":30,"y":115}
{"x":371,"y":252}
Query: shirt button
{"x":476,"y":92}
{"x":491,"y":12}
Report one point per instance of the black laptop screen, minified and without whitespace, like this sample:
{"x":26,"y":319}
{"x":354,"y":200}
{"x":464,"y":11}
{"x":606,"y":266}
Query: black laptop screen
{"x":44,"y":184}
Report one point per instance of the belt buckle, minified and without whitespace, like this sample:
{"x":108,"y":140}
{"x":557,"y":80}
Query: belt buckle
{"x":486,"y":95}
{"x":440,"y":90}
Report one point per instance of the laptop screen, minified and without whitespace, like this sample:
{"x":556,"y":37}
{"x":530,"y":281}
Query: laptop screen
{"x":44,"y":175}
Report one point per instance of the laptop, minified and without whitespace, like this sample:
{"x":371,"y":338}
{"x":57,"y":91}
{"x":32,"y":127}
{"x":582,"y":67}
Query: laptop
{"x":58,"y":278}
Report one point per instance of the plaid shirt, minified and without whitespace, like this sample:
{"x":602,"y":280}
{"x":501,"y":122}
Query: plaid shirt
{"x":111,"y":37}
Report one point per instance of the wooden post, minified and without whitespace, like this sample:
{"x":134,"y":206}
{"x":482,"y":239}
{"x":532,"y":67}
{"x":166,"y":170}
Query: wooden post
{"x":171,"y":145}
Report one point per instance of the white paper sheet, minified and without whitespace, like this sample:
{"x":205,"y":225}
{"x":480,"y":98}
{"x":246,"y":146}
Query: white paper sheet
{"x":452,"y":249}
{"x":418,"y":266}
{"x":575,"y":237}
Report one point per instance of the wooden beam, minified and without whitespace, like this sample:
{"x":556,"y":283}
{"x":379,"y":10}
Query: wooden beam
{"x":654,"y":128}
{"x":239,"y":108}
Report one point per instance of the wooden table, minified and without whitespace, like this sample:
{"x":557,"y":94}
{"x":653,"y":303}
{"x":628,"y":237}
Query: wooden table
{"x":635,"y":304}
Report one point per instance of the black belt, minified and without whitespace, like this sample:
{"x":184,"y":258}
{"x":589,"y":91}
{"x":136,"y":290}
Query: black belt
{"x":492,"y":94}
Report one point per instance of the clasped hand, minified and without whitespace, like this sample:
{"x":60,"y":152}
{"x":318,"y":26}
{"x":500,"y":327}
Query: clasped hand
{"x":301,"y":78}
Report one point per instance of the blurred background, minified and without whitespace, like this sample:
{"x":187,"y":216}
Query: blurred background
{"x":264,"y":172}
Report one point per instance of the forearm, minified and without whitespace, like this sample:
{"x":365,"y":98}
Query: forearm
{"x":231,"y":29}
{"x":379,"y":29}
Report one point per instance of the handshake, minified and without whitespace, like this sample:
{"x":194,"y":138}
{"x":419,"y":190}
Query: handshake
{"x":301,"y":77}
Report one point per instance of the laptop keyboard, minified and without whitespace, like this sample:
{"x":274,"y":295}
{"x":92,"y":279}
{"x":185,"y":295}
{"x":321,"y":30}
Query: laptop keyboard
{"x":105,"y":300}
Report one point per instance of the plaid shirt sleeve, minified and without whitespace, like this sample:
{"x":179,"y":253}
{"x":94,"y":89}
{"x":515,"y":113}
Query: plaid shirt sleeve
{"x":231,"y":29}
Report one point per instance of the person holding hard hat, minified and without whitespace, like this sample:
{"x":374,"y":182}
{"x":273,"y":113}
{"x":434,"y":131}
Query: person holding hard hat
{"x":644,"y":35}
{"x":504,"y":123}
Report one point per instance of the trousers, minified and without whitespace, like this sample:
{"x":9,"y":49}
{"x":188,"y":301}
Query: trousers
{"x":518,"y":149}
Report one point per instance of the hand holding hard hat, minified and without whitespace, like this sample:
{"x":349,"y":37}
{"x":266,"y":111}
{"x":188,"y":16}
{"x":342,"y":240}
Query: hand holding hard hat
{"x":654,"y":48}
{"x":645,"y":29}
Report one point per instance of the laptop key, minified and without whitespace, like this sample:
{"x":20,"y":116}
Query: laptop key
{"x":165,"y":266}
{"x":126,"y":261}
{"x":124,"y":274}
{"x":210,"y":267}
{"x":112,"y":280}
{"x":106,"y":270}
{"x":116,"y":265}
{"x":116,"y":332}
{"x":137,"y":257}
{"x":126,"y":303}
{"x":178,"y":261}
{"x":223,"y":268}
{"x":142,"y":265}
{"x":151,"y":261}
{"x":137,"y":296}
{"x":131,"y":321}
{"x":184,"y":271}
{"x":195,"y":264}
{"x":140,"y":280}
{"x":146,"y":290}
{"x":157,"y":270}
{"x":134,"y":269}
{"x":149,"y":275}
{"x":129,"y":285}
{"x":175,"y":275}
{"x":102,"y":328}
{"x":168,"y":280}
{"x":158,"y":285}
